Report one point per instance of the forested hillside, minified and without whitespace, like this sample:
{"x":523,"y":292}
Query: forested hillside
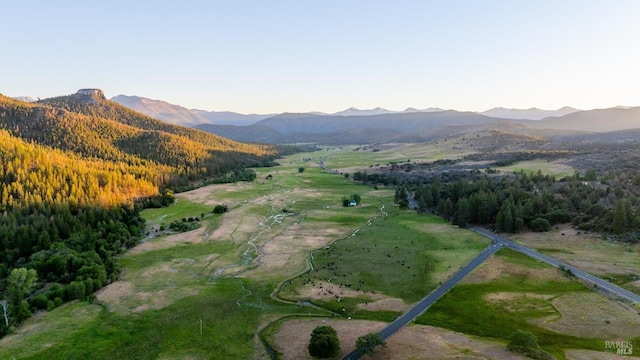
{"x":97,"y":106}
{"x":74,"y":173}
{"x":93,"y":126}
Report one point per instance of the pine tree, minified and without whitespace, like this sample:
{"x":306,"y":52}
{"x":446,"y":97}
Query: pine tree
{"x":462,"y":212}
{"x":619,"y":225}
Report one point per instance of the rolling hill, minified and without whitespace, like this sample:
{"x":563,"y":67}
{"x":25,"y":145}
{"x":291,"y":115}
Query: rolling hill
{"x":599,"y":120}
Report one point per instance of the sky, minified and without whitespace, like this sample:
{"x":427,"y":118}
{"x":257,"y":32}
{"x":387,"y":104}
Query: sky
{"x":297,"y":56}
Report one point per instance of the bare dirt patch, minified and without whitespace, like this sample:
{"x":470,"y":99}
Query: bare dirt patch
{"x":214,"y":194}
{"x":114,"y":292}
{"x":152,"y":271}
{"x":385,"y":304}
{"x":192,"y":237}
{"x":292,"y":338}
{"x":428,"y":342}
{"x":507,"y":296}
{"x":123,"y":296}
{"x":412,"y":342}
{"x":327,"y":291}
{"x":289,"y":247}
{"x":495,"y":268}
{"x":591,"y":315}
{"x":229,"y":223}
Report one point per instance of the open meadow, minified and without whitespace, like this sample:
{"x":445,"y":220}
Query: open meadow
{"x":288,"y":256}
{"x":557,"y":168}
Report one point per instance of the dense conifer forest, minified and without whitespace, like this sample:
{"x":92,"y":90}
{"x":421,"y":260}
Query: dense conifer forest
{"x":606,"y":203}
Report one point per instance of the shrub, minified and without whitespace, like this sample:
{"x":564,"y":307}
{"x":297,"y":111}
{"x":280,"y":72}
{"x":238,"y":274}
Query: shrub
{"x":367,"y":343}
{"x":40,"y":301}
{"x":540,"y":225}
{"x":220,"y":209}
{"x":523,"y":341}
{"x":526,"y":343}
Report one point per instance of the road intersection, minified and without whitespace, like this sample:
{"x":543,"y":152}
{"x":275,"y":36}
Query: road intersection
{"x":498,"y":243}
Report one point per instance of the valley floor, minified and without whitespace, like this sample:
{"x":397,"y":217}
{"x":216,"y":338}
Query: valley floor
{"x":247,"y":275}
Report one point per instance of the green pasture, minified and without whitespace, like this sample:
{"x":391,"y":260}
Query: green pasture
{"x":229,"y":310}
{"x":402,"y":255}
{"x":181,"y":209}
{"x":361,"y":157}
{"x":356,"y":156}
{"x":555,"y":168}
{"x":182,"y":251}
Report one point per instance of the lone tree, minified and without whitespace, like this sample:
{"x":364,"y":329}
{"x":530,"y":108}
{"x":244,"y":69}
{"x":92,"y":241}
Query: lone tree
{"x":526,"y":343}
{"x":367,"y":343}
{"x":324,"y":342}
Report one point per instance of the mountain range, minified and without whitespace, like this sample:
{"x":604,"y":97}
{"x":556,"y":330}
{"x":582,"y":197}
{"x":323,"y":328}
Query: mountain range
{"x":419,"y":126}
{"x":177,"y":114}
{"x":381,"y":125}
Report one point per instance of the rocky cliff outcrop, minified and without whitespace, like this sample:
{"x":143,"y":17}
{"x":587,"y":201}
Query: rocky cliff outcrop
{"x":94,"y":93}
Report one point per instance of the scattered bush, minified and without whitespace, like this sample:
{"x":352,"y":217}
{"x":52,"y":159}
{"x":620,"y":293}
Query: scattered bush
{"x":184,"y":226}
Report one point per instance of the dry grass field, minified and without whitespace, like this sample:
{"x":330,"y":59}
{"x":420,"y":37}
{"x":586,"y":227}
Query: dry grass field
{"x":613,"y":260}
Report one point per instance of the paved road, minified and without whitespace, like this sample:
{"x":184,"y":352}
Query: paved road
{"x":602,"y":284}
{"x":424,"y":304}
{"x":499,"y":242}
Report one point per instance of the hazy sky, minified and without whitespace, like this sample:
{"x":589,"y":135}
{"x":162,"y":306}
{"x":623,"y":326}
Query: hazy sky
{"x":276,"y":56}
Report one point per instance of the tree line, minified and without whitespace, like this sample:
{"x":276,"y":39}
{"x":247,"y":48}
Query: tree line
{"x":606,"y":204}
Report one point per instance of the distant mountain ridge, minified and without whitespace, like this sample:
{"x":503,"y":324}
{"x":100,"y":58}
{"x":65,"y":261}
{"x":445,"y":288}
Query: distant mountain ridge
{"x":180,"y":115}
{"x":420,"y":126}
{"x":379,"y":111}
{"x":527,"y":114}
{"x":176,"y":114}
{"x":411,"y":125}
